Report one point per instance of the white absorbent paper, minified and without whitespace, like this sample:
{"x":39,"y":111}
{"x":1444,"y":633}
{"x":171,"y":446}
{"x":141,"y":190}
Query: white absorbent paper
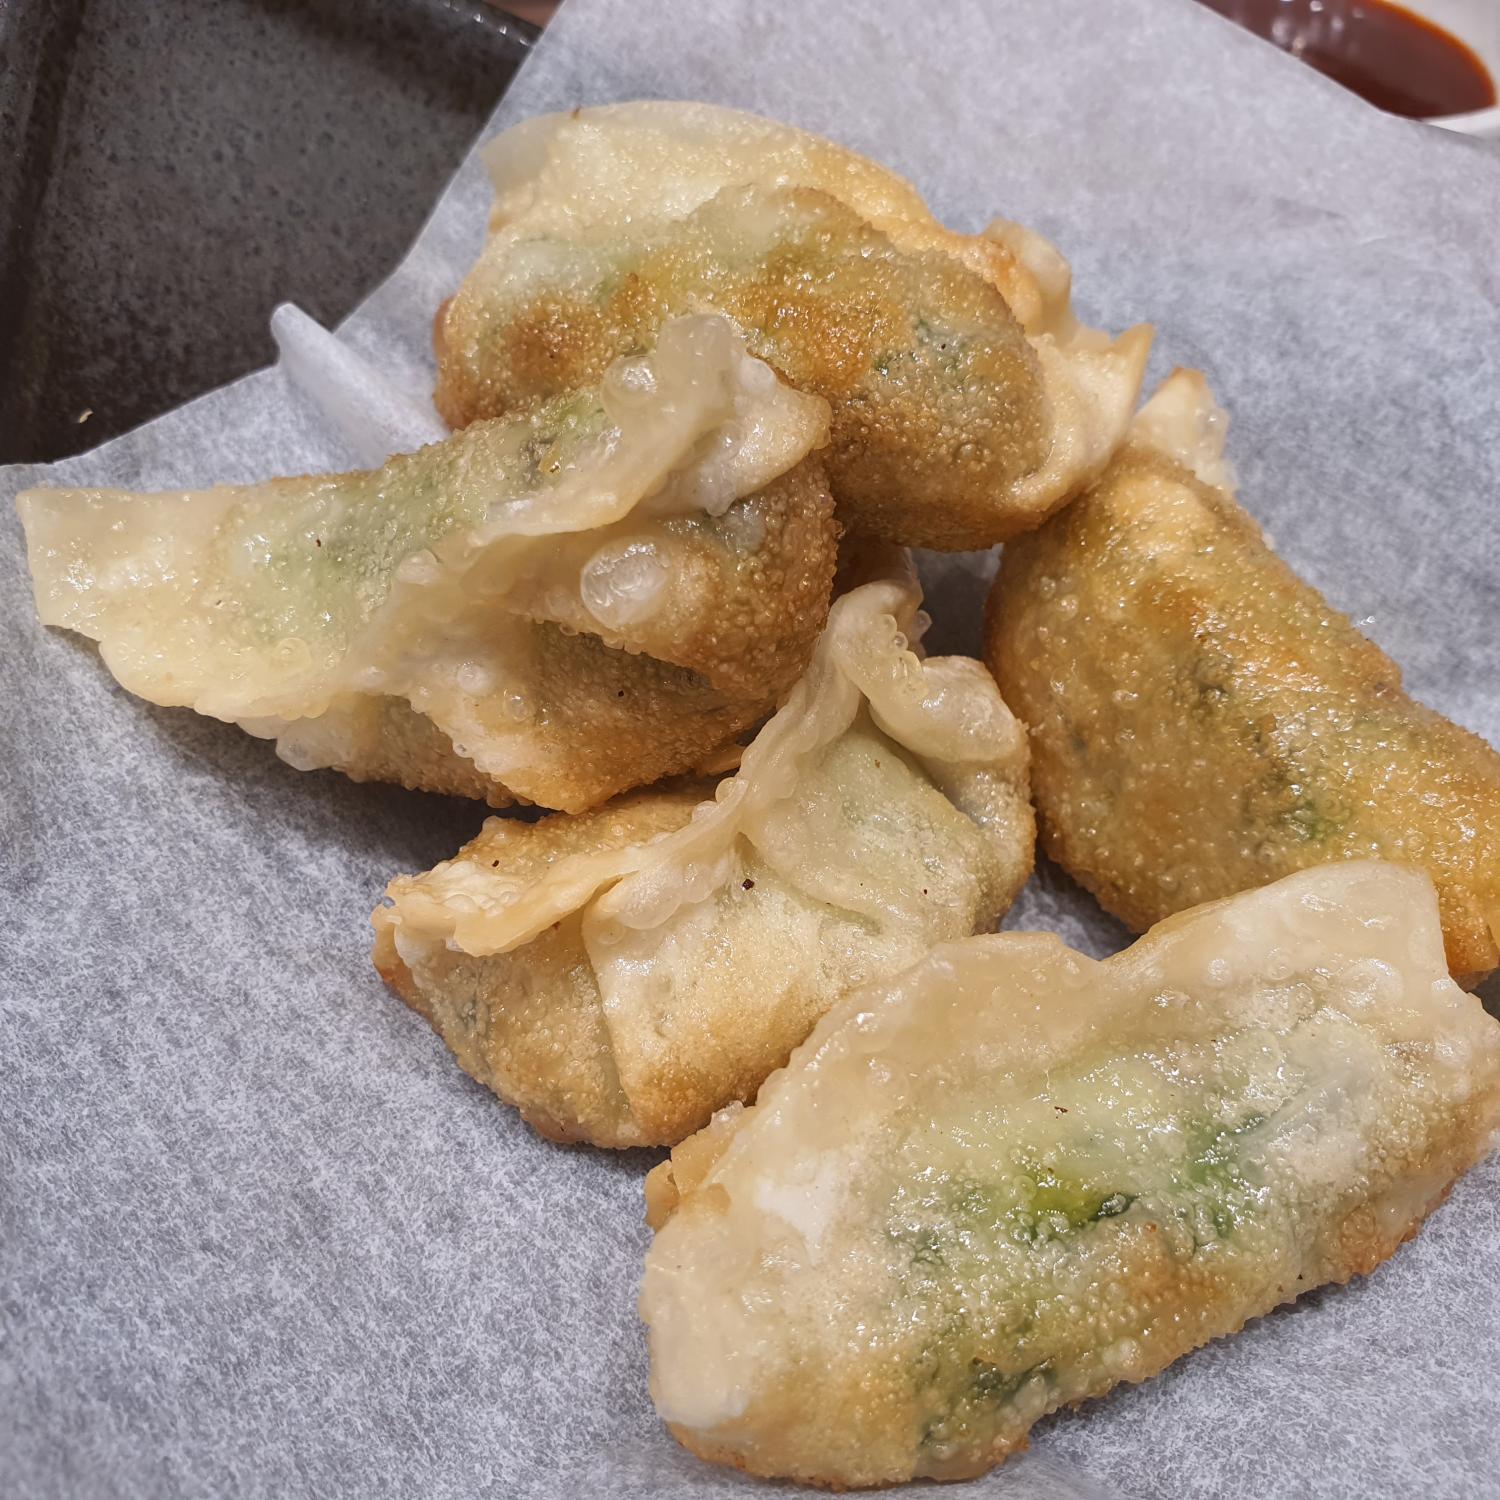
{"x":258,"y":1234}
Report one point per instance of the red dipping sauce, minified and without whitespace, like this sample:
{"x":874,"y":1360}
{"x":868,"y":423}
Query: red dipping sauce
{"x":1398,"y":61}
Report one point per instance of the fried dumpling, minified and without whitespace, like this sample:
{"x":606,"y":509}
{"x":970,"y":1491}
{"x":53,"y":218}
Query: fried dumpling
{"x":967,"y":401}
{"x":622,"y":974}
{"x":1203,"y":721}
{"x":589,"y":594}
{"x":1016,"y":1176}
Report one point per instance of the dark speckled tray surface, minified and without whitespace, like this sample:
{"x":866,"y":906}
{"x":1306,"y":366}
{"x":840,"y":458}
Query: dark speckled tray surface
{"x":170,"y":170}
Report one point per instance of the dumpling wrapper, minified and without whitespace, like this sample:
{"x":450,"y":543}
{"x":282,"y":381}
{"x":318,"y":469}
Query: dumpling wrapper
{"x":582,"y":597}
{"x":1203,"y":721}
{"x":621,"y":975}
{"x":1016,"y":1176}
{"x":968,"y":403}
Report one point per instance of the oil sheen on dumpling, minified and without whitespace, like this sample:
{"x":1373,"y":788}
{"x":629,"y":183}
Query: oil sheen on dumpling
{"x":622,"y":974}
{"x":1017,"y":1176}
{"x":582,"y":597}
{"x":967,"y":401}
{"x":1203,"y":721}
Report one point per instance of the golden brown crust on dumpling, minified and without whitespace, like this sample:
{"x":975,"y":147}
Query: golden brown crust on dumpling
{"x":738,"y":632}
{"x":752,"y":589}
{"x":937,"y":399}
{"x":384,"y":739}
{"x":1203,"y":721}
{"x":960,"y":417}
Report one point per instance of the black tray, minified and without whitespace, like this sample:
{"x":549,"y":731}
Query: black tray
{"x":170,"y":170}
